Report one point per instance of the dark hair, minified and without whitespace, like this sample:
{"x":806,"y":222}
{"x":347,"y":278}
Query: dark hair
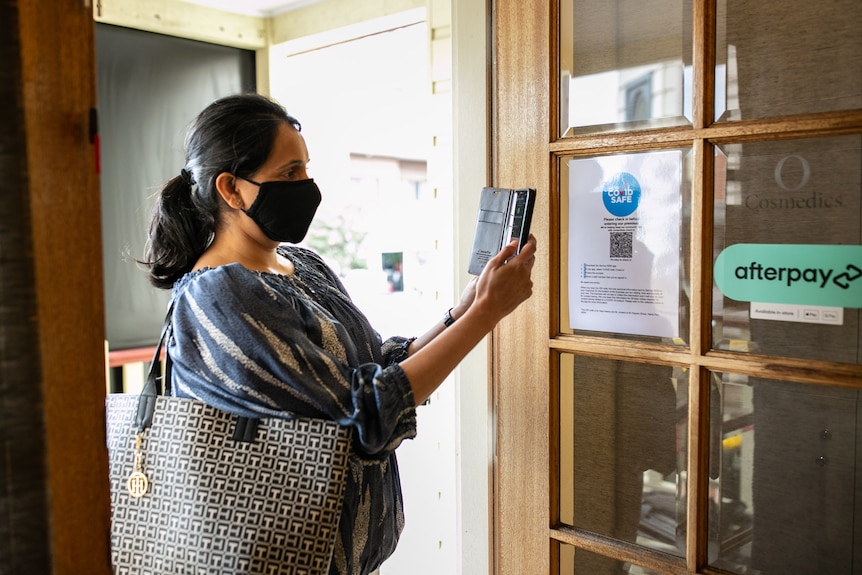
{"x":234,"y":134}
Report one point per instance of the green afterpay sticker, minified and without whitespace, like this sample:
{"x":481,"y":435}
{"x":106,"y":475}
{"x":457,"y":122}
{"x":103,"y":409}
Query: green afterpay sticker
{"x":792,"y":274}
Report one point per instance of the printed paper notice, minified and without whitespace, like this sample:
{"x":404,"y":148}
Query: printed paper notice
{"x":624,"y":222}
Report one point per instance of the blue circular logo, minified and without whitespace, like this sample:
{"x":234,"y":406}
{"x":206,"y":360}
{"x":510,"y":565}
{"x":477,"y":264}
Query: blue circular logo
{"x":621,"y":194}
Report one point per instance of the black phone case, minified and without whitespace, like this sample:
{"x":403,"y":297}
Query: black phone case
{"x":504,"y":215}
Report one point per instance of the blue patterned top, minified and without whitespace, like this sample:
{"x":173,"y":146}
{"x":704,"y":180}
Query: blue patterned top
{"x":259,"y":344}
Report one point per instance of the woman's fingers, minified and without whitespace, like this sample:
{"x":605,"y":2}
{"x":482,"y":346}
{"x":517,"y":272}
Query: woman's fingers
{"x":506,"y":281}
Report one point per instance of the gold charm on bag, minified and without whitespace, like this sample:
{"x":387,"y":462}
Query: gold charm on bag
{"x":138,"y":483}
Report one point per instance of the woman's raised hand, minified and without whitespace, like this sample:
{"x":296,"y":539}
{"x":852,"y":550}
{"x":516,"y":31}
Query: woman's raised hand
{"x":506,"y":281}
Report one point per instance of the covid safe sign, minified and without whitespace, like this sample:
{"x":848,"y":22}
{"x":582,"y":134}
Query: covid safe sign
{"x":624,"y":243}
{"x":821,"y":275}
{"x":621,"y":194}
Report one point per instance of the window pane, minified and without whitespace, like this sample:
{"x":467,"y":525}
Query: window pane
{"x":788,"y":498}
{"x":568,"y":564}
{"x":624,"y":65}
{"x":804,"y":196}
{"x":790,"y":57}
{"x":624,"y":245}
{"x":623,"y":454}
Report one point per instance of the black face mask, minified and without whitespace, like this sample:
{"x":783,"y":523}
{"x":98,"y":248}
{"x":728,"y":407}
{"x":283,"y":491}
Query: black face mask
{"x":284,"y":210}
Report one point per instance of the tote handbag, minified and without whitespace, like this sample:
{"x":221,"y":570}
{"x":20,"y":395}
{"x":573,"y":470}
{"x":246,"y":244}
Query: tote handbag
{"x":195,"y":490}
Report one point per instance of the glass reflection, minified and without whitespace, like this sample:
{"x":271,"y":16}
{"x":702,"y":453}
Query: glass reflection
{"x":624,"y":64}
{"x":623,"y":435}
{"x":790,"y":57}
{"x":807,"y":192}
{"x":789,"y":495}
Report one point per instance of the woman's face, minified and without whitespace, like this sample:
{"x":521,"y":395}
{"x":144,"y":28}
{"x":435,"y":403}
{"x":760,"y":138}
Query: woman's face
{"x":288,"y":161}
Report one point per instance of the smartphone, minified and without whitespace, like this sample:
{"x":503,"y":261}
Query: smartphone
{"x":504,"y":215}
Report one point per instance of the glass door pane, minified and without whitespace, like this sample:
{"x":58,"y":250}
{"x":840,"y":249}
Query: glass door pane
{"x":790,"y":57}
{"x":567,"y":563}
{"x":625,"y":221}
{"x":623,"y":454}
{"x":624,"y":65}
{"x":797,"y":202}
{"x":788,"y":498}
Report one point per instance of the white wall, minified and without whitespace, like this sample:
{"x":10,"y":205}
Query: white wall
{"x":475,"y":431}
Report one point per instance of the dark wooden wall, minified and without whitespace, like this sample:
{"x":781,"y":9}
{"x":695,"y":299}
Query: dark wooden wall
{"x":54,"y":505}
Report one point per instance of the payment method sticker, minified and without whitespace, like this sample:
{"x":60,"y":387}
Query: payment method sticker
{"x":817,"y":275}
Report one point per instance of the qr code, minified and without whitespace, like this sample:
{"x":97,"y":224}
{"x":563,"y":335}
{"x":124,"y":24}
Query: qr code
{"x":621,"y":244}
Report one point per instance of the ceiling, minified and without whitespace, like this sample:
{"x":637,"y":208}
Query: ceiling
{"x":255,"y":7}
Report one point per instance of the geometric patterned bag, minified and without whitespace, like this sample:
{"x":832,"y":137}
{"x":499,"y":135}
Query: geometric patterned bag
{"x":195,"y":490}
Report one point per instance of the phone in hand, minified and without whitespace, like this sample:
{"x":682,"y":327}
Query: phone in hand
{"x":504,"y":215}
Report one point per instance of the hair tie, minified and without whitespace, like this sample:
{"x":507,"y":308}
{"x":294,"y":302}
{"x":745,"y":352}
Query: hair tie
{"x":187,"y":176}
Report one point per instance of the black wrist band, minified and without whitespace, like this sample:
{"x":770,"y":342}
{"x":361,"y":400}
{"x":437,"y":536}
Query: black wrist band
{"x":448,"y":319}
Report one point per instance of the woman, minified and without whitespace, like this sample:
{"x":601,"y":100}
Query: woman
{"x":263,"y":329}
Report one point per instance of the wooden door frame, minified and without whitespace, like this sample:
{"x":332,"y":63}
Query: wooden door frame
{"x":525,"y":148}
{"x":55,"y":492}
{"x":520,"y":358}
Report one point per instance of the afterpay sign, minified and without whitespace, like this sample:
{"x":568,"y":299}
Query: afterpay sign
{"x":791,"y":274}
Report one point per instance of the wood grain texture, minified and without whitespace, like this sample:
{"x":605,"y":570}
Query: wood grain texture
{"x":57,"y":94}
{"x":520,"y":365}
{"x":24,"y":519}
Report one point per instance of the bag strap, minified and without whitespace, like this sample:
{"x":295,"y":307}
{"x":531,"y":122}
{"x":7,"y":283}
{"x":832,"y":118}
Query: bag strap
{"x":153,"y":385}
{"x":246,"y":427}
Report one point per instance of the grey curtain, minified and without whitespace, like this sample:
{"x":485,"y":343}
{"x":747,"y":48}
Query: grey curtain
{"x":150,"y":88}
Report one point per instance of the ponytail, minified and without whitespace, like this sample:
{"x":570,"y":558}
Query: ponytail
{"x":179,"y":233}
